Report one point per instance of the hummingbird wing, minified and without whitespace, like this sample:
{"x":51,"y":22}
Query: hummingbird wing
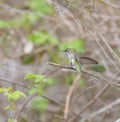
{"x":87,"y":60}
{"x":78,"y":64}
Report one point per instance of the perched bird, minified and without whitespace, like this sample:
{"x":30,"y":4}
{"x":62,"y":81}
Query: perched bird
{"x":75,"y":61}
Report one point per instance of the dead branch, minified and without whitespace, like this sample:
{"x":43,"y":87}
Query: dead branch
{"x":68,"y":97}
{"x":90,"y":102}
{"x":102,"y":110}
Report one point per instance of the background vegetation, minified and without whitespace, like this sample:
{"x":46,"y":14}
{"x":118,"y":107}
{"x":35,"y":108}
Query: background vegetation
{"x":32,"y":33}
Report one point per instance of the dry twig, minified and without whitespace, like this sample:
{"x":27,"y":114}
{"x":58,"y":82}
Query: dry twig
{"x":102,"y":110}
{"x":90,"y":102}
{"x":68,"y":97}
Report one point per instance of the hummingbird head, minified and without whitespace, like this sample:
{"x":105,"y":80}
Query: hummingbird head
{"x":68,"y":51}
{"x":70,"y":56}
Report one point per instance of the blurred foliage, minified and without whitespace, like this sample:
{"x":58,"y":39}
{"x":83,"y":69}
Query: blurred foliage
{"x":38,"y":82}
{"x":38,"y":37}
{"x":99,"y":68}
{"x":71,"y":77}
{"x":25,"y":20}
{"x":39,"y":104}
{"x":11,"y":96}
{"x":27,"y":58}
{"x":12,"y":120}
{"x":69,"y":80}
{"x":55,"y":56}
{"x":77,"y":44}
{"x":40,"y":6}
{"x":82,"y":82}
{"x":42,"y":38}
{"x":59,"y":56}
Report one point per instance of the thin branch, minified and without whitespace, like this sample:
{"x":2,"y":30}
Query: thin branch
{"x":44,"y":96}
{"x":35,"y":51}
{"x":51,"y":99}
{"x":102,"y":77}
{"x":68,"y":97}
{"x":94,"y":74}
{"x":102,"y":110}
{"x":102,"y":38}
{"x":93,"y":34}
{"x":90,"y":102}
{"x":64,"y":68}
{"x":110,"y":4}
{"x":28,"y":100}
{"x":25,"y":103}
{"x":95,"y":97}
{"x":109,"y":49}
{"x":22,"y":11}
{"x":11,"y":82}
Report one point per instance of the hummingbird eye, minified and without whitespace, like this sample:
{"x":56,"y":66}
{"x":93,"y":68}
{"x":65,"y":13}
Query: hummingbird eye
{"x":66,"y":50}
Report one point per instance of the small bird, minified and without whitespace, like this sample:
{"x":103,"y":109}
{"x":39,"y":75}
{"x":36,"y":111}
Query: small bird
{"x":75,"y":61}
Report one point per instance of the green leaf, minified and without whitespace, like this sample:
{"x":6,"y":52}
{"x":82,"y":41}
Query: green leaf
{"x":33,"y":90}
{"x":82,"y":82}
{"x":42,"y":38}
{"x":39,"y":78}
{"x":7,"y":107}
{"x":15,"y":95}
{"x":25,"y":20}
{"x":78,"y":45}
{"x":12,"y":120}
{"x":39,"y":104}
{"x":1,"y":90}
{"x":40,"y":6}
{"x":38,"y":83}
{"x":29,"y":76}
{"x":49,"y":81}
{"x":7,"y":91}
{"x":4,"y":24}
{"x":27,"y":59}
{"x":99,"y":68}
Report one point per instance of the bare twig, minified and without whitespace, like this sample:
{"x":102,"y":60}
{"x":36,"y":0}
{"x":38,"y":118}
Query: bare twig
{"x":35,"y":51}
{"x":110,"y":4}
{"x":21,"y":85}
{"x":102,"y":110}
{"x":64,"y":68}
{"x":90,"y":102}
{"x":94,"y":74}
{"x":23,"y":106}
{"x":102,"y":77}
{"x":11,"y":82}
{"x":28,"y":100}
{"x":95,"y":97}
{"x":109,"y":49}
{"x":68,"y":97}
{"x":51,"y":100}
{"x":22,"y":11}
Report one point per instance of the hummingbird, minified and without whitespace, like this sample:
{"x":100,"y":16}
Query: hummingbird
{"x":75,"y":61}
